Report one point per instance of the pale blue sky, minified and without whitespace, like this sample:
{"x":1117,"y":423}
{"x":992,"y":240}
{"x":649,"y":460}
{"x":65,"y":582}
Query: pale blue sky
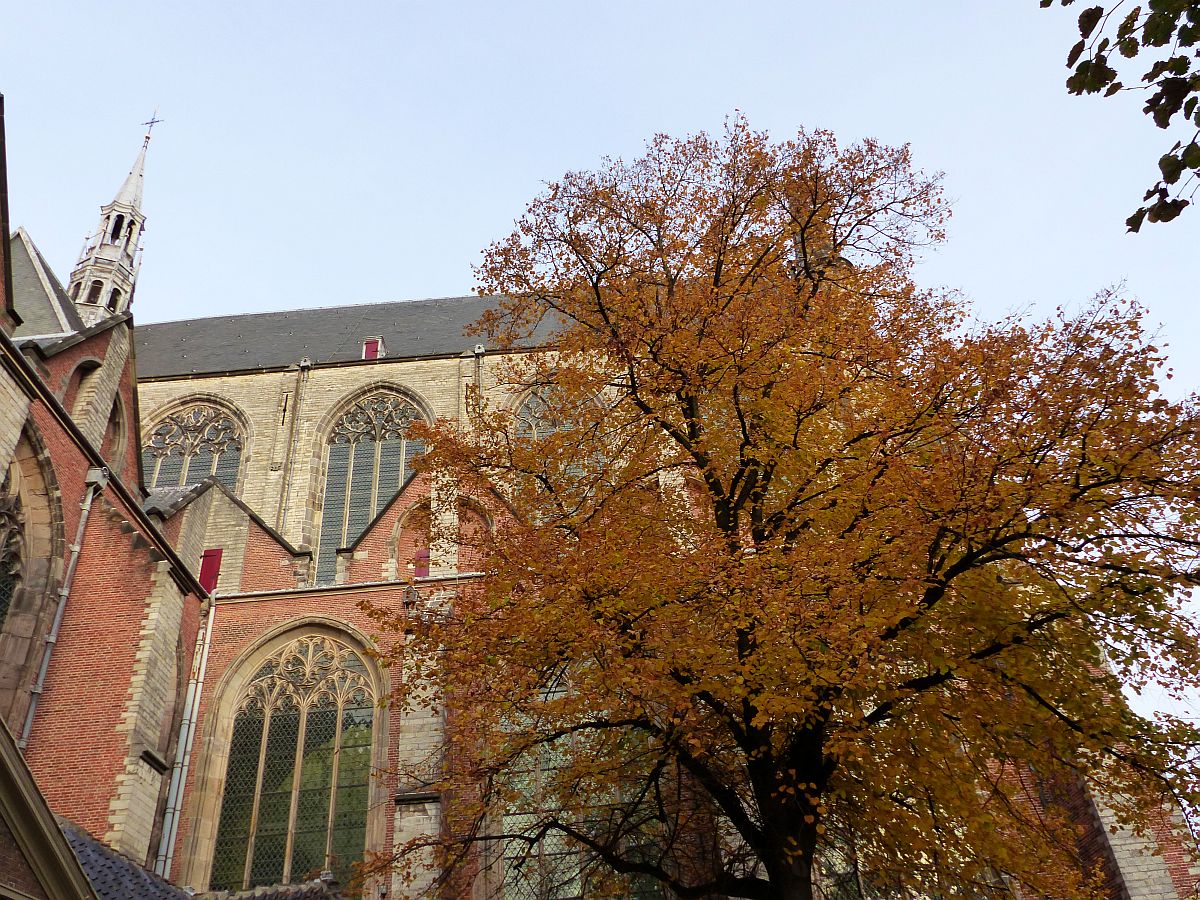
{"x":323,"y":153}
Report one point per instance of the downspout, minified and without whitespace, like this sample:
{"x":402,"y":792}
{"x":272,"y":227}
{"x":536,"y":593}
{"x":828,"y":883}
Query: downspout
{"x":286,"y":486}
{"x":96,"y":480}
{"x":187,"y":734}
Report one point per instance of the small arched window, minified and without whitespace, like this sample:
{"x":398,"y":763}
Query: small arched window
{"x":114,"y":299}
{"x":129,"y":233}
{"x":412,"y":545}
{"x":94,"y":292}
{"x":370,"y":458}
{"x":118,"y":224}
{"x":190,"y":445}
{"x":298,"y":777}
{"x":113,"y":446}
{"x":75,"y":290}
{"x":11,"y":542}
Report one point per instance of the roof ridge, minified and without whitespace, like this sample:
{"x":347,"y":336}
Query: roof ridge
{"x":303,"y":309}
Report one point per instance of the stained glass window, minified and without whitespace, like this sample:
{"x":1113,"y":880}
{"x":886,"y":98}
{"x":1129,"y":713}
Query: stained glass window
{"x":370,"y":458}
{"x":11,"y":539}
{"x":296,"y":785}
{"x":191,"y":445}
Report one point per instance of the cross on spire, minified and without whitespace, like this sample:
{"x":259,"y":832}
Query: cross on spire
{"x":154,"y":120}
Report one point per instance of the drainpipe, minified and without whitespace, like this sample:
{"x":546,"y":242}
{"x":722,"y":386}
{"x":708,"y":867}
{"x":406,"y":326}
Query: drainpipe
{"x":95,"y":481}
{"x":187,"y":733}
{"x":286,"y":482}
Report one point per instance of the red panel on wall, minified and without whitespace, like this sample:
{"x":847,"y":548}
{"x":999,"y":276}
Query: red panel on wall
{"x":210,"y":569}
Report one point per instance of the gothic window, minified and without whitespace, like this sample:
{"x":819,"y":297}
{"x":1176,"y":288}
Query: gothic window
{"x":370,"y":458}
{"x":114,"y":299}
{"x":118,"y":224}
{"x":11,"y":541}
{"x":190,"y":445}
{"x":94,"y":292}
{"x":297,"y":781}
{"x":536,"y":418}
{"x":548,"y":867}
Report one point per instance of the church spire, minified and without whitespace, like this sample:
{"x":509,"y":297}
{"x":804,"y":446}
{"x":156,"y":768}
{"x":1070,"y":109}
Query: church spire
{"x":103,"y":279}
{"x":130,"y":193}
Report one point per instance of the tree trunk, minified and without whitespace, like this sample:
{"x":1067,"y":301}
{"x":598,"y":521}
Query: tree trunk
{"x":791,"y":880}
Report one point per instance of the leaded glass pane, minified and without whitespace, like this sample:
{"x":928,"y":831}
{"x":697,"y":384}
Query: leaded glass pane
{"x":411,"y":452}
{"x":275,"y":797}
{"x":227,"y":467}
{"x":313,"y":794}
{"x":391,"y":454}
{"x":186,"y":446}
{"x":333,"y":511}
{"x":148,"y":461}
{"x":170,"y":468}
{"x":361,"y":489}
{"x":199,"y":467}
{"x":316,"y":696}
{"x":237,"y":806}
{"x":369,"y":457}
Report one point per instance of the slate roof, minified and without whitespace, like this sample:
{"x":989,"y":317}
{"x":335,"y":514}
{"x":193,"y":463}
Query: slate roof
{"x":409,"y":328}
{"x":317,"y":889}
{"x":114,"y":876}
{"x":42,"y":311}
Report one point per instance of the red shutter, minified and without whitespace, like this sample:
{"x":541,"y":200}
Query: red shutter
{"x":421,"y":563}
{"x":210,"y":569}
{"x":371,"y":348}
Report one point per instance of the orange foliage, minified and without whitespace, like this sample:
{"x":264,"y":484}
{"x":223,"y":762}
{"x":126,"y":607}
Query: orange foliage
{"x":812,"y":576}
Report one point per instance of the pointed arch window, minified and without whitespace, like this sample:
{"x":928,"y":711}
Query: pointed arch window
{"x":370,"y":456}
{"x":536,"y":416}
{"x":296,"y":785}
{"x":191,"y":445}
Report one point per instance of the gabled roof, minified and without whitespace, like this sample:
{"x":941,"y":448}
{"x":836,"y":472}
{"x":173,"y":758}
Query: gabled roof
{"x":166,"y":502}
{"x":38,"y":296}
{"x":115,"y":876}
{"x":49,"y":344}
{"x":409,"y":328}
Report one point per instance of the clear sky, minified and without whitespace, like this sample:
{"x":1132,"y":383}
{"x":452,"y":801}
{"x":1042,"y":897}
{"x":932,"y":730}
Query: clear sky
{"x":316,"y":154}
{"x":328,"y":153}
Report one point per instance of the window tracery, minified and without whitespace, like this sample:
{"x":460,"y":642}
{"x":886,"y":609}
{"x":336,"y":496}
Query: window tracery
{"x":370,"y":457}
{"x":536,"y":416}
{"x":11,"y":543}
{"x":190,"y":445}
{"x":296,"y":787}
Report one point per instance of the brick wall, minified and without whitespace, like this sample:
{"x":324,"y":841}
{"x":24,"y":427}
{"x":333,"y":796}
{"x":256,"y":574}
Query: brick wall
{"x":240,"y":625}
{"x":15,"y":871}
{"x":112,"y":689}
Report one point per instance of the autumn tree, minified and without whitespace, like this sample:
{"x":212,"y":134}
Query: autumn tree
{"x":1165,"y":36}
{"x":799,"y":581}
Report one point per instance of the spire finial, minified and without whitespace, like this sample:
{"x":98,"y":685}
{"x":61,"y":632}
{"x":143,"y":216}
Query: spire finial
{"x":154,"y":120}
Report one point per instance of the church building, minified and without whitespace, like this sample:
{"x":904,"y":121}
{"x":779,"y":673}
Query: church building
{"x":192,"y":515}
